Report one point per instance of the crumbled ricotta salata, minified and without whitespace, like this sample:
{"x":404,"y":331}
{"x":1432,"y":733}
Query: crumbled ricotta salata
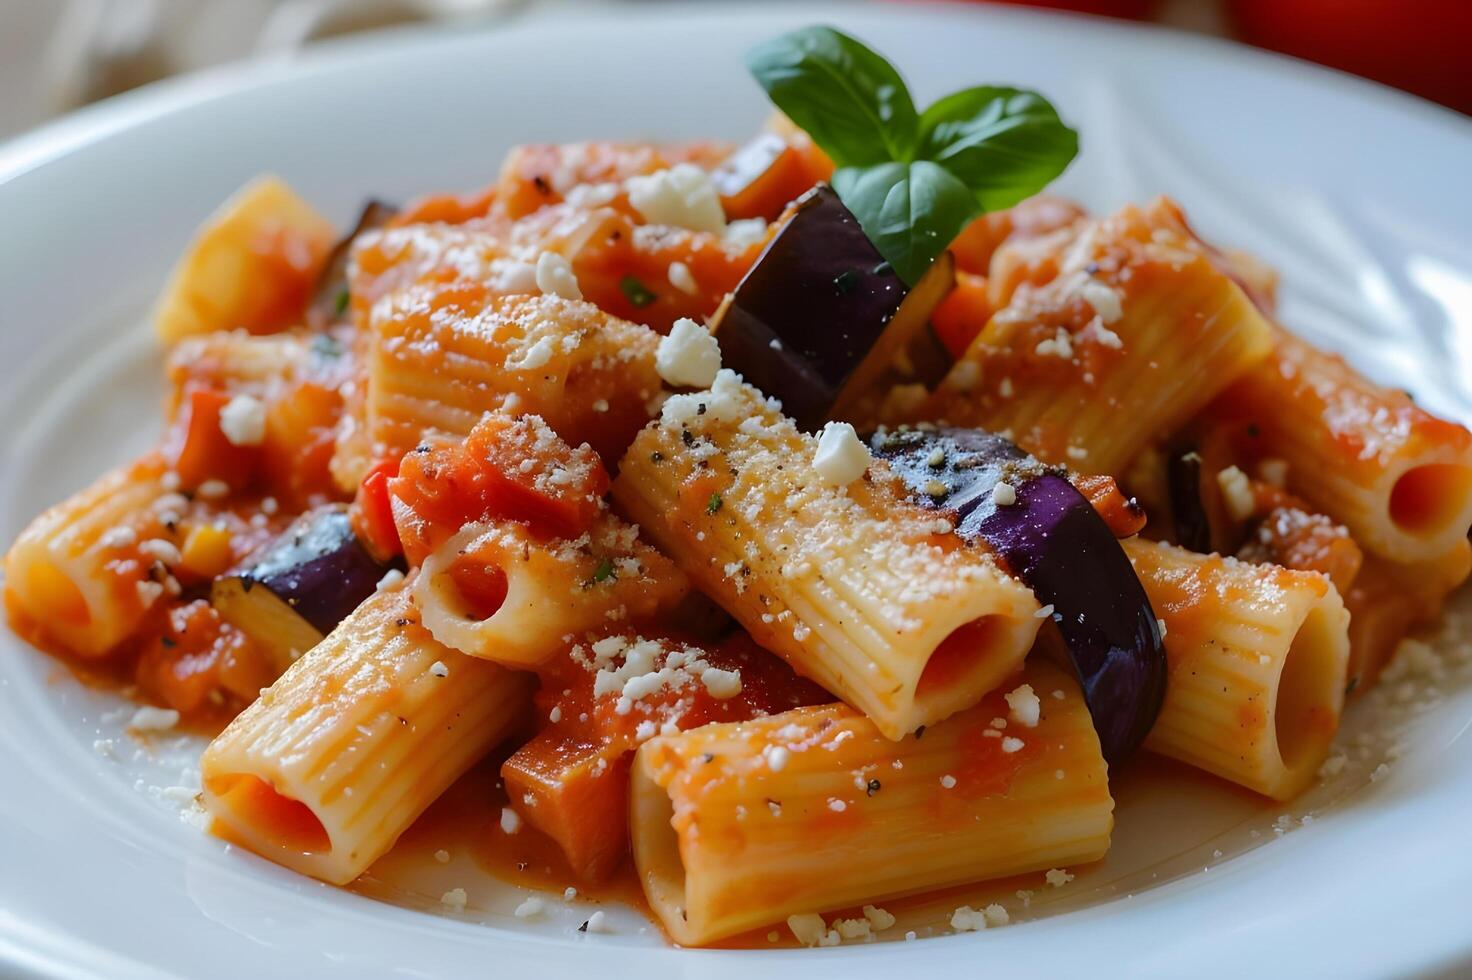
{"x":842,"y":456}
{"x":1236,"y":493}
{"x":681,"y":196}
{"x":689,"y":356}
{"x":151,"y":719}
{"x":243,"y":421}
{"x":683,"y":279}
{"x":555,"y":276}
{"x":1024,"y":706}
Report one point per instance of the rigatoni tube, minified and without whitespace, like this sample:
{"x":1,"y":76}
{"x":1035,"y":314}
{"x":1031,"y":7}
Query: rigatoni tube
{"x":1135,"y":332}
{"x":857,"y":587}
{"x":339,"y":756}
{"x":740,"y":825}
{"x":1258,"y":657}
{"x":1399,"y":478}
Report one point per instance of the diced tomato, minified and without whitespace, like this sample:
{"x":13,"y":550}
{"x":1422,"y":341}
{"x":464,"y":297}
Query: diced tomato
{"x":508,"y":468}
{"x":202,"y":451}
{"x":301,"y":436}
{"x":199,"y":664}
{"x":451,"y":209}
{"x":763,"y":177}
{"x":372,"y":513}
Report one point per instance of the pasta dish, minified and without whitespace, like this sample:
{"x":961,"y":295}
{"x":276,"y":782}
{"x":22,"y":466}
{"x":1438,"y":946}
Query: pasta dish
{"x":786,"y":528}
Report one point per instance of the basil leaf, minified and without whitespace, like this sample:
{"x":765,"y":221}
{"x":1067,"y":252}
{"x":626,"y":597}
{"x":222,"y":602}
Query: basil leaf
{"x":1003,"y":143}
{"x":849,"y":100}
{"x":910,"y":211}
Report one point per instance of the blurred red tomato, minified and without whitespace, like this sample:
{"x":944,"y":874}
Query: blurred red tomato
{"x":1423,"y":46}
{"x":1134,"y":9}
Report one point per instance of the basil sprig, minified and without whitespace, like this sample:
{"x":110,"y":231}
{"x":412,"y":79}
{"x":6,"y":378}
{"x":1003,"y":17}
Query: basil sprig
{"x":914,"y":180}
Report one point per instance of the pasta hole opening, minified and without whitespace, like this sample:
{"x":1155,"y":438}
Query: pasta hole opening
{"x":1427,"y":498}
{"x":957,"y":655}
{"x":657,"y":851}
{"x":479,"y":589}
{"x":271,"y":813}
{"x":1306,"y":714}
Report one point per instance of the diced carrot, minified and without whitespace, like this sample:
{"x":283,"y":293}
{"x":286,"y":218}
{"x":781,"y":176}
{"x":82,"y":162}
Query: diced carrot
{"x":962,"y":314}
{"x":578,"y":790}
{"x":203,"y":451}
{"x":1124,"y":515}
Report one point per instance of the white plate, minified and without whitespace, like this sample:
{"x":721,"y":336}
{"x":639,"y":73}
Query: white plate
{"x":1356,"y":194}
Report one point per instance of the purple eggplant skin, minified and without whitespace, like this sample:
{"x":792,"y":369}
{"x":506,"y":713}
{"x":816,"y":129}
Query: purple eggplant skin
{"x":329,"y":298}
{"x":1054,"y":541}
{"x":1193,"y":526}
{"x":318,"y":567}
{"x":804,"y":319}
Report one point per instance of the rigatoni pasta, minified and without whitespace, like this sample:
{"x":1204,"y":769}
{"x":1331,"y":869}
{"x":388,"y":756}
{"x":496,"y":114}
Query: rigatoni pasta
{"x":1398,"y":477}
{"x":475,"y":503}
{"x":856,"y":587}
{"x":1258,"y":658}
{"x":355,"y":740}
{"x":741,"y":825}
{"x":1130,"y":334}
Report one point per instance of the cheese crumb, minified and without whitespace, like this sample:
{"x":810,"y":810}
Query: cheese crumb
{"x":837,"y":806}
{"x":878,"y":918}
{"x":121,"y":536}
{"x":682,"y":196}
{"x":689,"y":357}
{"x":810,"y":930}
{"x":683,"y":279}
{"x":510,"y":820}
{"x":529,"y":909}
{"x":555,"y":276}
{"x":948,"y":781}
{"x":1004,"y":495}
{"x":243,"y":421}
{"x":853,"y":928}
{"x":777,"y":759}
{"x":996,"y":915}
{"x":213,"y":489}
{"x":721,"y":684}
{"x":1236,"y":493}
{"x":1024,"y":706}
{"x":151,"y":719}
{"x":1044,"y":612}
{"x":968,"y":919}
{"x":439,"y":669}
{"x":442,"y":856}
{"x":1057,"y":877}
{"x":842,"y":456}
{"x":1010,"y":745}
{"x":455,"y":898}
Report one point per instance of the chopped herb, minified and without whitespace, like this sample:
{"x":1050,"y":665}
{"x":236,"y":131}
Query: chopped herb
{"x":636,"y":292}
{"x":714,"y":503}
{"x":340,"y":306}
{"x":168,"y":642}
{"x":325,"y":345}
{"x":604,"y":571}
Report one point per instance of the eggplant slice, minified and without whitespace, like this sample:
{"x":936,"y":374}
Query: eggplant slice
{"x":821,"y":318}
{"x":291,"y":594}
{"x":1053,"y":540}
